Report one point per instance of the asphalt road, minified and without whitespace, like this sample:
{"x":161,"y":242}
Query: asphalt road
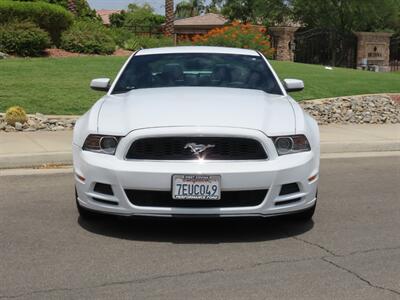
{"x":350,"y":251}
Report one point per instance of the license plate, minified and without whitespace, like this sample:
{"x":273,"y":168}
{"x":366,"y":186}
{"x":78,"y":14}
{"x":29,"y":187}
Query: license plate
{"x":196,"y":187}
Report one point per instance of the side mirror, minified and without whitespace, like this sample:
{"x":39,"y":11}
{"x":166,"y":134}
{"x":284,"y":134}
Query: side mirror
{"x":293,"y":85}
{"x":100,"y":84}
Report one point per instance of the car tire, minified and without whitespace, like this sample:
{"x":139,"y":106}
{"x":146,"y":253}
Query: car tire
{"x":306,"y":215}
{"x":84,"y":213}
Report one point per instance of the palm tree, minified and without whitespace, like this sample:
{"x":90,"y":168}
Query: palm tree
{"x":189,"y":8}
{"x":72,"y":6}
{"x":169,"y":17}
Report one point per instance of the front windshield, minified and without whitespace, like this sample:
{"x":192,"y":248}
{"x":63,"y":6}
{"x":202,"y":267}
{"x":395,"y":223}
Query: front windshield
{"x":197,"y":69}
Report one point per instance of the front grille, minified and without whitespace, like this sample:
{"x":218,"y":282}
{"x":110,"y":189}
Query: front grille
{"x":177,"y":148}
{"x":164,"y":199}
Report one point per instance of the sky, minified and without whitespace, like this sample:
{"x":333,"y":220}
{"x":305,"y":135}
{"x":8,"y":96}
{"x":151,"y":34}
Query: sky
{"x":158,"y":5}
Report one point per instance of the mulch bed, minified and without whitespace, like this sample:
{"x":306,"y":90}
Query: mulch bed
{"x":54,"y":52}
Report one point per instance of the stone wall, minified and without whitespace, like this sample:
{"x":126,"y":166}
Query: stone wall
{"x":373,"y":48}
{"x":283,"y":42}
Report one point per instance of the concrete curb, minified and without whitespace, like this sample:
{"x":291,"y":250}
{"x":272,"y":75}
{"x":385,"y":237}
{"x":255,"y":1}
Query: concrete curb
{"x":65,"y":158}
{"x":34,"y":160}
{"x":378,"y":146}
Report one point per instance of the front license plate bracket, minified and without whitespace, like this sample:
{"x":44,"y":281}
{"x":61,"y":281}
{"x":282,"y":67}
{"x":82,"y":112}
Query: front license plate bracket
{"x":196,"y":187}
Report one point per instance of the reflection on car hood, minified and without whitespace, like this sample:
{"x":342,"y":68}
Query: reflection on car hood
{"x":196,"y":106}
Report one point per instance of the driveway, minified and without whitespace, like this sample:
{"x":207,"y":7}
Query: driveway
{"x":350,"y":251}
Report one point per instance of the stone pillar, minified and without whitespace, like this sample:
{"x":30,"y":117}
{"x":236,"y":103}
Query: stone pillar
{"x":373,"y":49}
{"x":283,"y":42}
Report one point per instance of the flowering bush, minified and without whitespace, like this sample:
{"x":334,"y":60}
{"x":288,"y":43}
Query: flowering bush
{"x":239,"y":36}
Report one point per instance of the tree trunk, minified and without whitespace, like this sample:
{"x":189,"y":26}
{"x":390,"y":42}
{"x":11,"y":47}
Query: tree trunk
{"x":72,"y":6}
{"x":169,"y":17}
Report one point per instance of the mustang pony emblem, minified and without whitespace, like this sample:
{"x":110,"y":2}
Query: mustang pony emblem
{"x":198,"y":148}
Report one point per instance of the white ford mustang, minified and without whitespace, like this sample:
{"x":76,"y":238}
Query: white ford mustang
{"x":196,"y":131}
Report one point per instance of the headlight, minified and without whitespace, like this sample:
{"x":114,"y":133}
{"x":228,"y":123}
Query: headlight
{"x":106,"y":144}
{"x":291,"y":144}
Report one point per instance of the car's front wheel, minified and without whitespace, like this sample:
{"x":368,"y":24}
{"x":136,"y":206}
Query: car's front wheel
{"x":306,"y":215}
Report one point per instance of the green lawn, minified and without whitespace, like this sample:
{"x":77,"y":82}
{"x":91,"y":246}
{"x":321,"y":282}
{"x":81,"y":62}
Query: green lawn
{"x":61,"y":85}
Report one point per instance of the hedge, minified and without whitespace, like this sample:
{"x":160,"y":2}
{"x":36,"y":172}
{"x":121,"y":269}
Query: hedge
{"x":88,"y":37}
{"x":50,"y":17}
{"x":23,"y":38}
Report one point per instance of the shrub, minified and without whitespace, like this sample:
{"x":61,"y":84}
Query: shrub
{"x":15,"y":114}
{"x":132,"y":44}
{"x":142,"y":15}
{"x":117,"y":19}
{"x":82,"y":8}
{"x":52,"y":18}
{"x":24,"y":39}
{"x":142,"y":41}
{"x":238,"y":36}
{"x":88,"y":37}
{"x":121,"y":35}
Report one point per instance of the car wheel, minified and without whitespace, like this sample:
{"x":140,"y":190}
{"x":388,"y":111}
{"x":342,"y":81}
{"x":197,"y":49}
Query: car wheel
{"x":306,"y":215}
{"x":84,"y":213}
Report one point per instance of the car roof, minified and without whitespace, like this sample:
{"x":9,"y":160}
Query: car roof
{"x":197,"y":49}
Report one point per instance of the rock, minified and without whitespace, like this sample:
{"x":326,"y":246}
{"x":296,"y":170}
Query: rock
{"x":348,"y":114}
{"x":3,"y":125}
{"x":31,"y":122}
{"x":9,"y":128}
{"x":70,"y":121}
{"x":376,"y":109}
{"x":41,"y":126}
{"x":18,"y":126}
{"x":57,"y":128}
{"x":30,"y":129}
{"x":3,"y":55}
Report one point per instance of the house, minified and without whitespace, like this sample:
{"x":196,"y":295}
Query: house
{"x":199,"y":24}
{"x":106,"y":13}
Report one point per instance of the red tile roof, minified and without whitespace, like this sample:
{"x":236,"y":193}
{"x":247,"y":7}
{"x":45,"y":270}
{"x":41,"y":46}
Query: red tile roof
{"x":209,"y":19}
{"x":105,"y":14}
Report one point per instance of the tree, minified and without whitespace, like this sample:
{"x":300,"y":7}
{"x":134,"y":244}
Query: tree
{"x":268,"y":12}
{"x":72,"y":6}
{"x":169,"y":17}
{"x":80,"y":7}
{"x":215,"y":6}
{"x":141,"y":16}
{"x":349,"y":15}
{"x":189,"y":8}
{"x":118,"y":19}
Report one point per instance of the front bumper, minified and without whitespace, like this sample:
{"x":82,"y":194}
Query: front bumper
{"x":249,"y":175}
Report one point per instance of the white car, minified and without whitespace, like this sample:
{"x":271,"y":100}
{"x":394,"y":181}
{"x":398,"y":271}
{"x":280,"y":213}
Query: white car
{"x":196,"y":131}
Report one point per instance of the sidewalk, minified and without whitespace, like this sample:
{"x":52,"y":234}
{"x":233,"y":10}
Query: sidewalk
{"x":26,"y":149}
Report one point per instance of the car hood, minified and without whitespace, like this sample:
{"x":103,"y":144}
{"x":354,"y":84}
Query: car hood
{"x":196,"y":106}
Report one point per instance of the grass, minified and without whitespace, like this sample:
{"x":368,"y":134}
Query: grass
{"x":54,"y":85}
{"x":61,"y":85}
{"x":322,"y":83}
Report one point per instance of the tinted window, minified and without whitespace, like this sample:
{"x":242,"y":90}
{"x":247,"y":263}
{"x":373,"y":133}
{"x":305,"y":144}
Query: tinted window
{"x":197,"y":69}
